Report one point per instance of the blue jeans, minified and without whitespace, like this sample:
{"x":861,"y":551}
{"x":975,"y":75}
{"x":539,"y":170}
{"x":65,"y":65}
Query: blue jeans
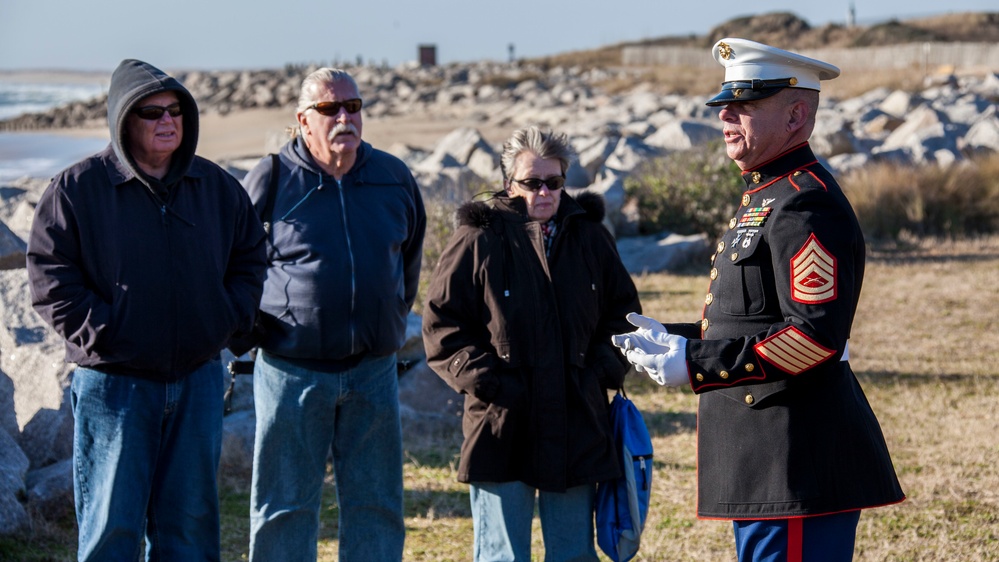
{"x":145,"y":460}
{"x":502,"y":513}
{"x":300,"y":415}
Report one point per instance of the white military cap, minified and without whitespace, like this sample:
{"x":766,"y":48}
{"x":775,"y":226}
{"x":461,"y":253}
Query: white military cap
{"x":755,"y":71}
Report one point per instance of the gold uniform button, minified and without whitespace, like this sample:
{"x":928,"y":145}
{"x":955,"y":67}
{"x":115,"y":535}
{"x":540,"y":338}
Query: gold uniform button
{"x":733,"y":222}
{"x":723,"y":375}
{"x":705,"y":324}
{"x":792,"y":81}
{"x":797,"y":173}
{"x":745,"y":200}
{"x":734,"y":256}
{"x":750,"y":367}
{"x":709,"y":299}
{"x":756,"y":178}
{"x":750,"y":399}
{"x":714,"y":273}
{"x":721,"y":247}
{"x":699,"y":377}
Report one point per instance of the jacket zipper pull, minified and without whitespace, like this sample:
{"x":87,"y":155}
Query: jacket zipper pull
{"x":641,"y":465}
{"x":163,"y":214}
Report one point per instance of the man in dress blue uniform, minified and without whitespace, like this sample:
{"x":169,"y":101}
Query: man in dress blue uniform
{"x":788,"y":446}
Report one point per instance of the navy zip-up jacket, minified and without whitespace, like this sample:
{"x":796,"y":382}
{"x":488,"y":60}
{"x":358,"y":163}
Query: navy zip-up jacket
{"x":141,"y":276}
{"x":344,"y":257}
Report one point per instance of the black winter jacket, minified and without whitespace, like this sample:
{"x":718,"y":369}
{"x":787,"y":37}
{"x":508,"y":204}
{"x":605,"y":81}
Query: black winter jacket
{"x":527,"y":340}
{"x":142,"y":276}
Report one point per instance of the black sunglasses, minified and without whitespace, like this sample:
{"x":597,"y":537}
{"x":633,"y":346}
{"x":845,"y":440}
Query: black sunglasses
{"x":332,"y":108}
{"x":154,"y":112}
{"x":553,"y":183}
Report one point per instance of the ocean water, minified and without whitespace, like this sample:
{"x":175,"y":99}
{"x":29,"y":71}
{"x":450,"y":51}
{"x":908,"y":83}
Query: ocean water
{"x":33,"y":97}
{"x":41,"y":155}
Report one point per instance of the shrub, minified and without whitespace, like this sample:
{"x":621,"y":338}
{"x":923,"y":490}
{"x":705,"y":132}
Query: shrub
{"x":894,"y":201}
{"x":687,"y":192}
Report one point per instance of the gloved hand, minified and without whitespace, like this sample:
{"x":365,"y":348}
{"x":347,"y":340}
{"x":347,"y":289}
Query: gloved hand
{"x":668,"y":368}
{"x":649,"y":337}
{"x":648,"y":328}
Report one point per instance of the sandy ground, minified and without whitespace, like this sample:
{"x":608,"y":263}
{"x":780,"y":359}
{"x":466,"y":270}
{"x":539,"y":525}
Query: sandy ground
{"x":254,"y":132}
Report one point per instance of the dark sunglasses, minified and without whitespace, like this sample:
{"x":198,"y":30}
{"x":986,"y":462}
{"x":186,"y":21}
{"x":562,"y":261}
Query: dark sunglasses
{"x":154,"y":112}
{"x":332,"y":108}
{"x":553,"y":183}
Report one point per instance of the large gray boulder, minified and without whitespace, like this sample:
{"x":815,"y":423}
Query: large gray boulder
{"x":982,"y":137}
{"x":663,"y":252}
{"x":13,"y":469}
{"x":50,"y":490}
{"x":236,"y":461}
{"x":48,"y":437}
{"x":12,"y":249}
{"x":924,"y":132}
{"x":32,"y":353}
{"x":681,"y":134}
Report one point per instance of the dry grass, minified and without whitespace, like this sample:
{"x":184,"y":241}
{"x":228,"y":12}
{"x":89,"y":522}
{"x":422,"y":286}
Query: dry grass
{"x":894,"y":200}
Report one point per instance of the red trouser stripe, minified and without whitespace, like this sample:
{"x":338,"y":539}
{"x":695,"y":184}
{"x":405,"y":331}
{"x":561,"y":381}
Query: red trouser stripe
{"x":795,"y":539}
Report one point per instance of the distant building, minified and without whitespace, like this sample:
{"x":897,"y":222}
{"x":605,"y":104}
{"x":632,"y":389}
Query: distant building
{"x":851,"y":16}
{"x":428,"y":55}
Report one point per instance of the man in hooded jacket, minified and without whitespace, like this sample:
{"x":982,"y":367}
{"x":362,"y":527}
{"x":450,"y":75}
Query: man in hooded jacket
{"x":146,"y":259}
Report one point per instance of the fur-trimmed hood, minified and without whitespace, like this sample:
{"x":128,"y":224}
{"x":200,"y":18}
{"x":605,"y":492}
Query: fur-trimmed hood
{"x":481,"y":214}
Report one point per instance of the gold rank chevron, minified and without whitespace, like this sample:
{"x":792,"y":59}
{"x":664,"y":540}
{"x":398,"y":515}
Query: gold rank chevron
{"x":792,"y":351}
{"x":813,"y":274}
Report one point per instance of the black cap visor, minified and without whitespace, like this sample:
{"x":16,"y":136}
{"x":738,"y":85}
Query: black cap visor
{"x":749,"y":90}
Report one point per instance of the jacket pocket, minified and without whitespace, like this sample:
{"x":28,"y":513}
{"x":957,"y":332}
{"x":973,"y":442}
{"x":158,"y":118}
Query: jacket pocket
{"x":742,"y":284}
{"x":757,"y":396}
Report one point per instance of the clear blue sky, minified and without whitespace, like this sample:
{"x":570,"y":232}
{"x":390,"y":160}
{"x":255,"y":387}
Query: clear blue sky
{"x":216,"y":34}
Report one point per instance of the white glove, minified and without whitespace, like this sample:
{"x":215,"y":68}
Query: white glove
{"x":648,"y":328}
{"x":649,"y":337}
{"x":668,"y":368}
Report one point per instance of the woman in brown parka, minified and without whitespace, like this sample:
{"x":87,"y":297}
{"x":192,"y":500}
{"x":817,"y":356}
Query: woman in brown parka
{"x":518,"y":318}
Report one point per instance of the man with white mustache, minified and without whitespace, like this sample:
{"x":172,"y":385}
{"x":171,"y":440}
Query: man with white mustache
{"x":345,"y":245}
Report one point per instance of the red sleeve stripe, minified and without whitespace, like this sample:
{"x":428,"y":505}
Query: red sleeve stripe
{"x":792,"y":351}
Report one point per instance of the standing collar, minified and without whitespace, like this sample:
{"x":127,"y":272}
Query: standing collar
{"x":772,"y":170}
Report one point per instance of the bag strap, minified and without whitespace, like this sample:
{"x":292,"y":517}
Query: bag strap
{"x":268,"y":210}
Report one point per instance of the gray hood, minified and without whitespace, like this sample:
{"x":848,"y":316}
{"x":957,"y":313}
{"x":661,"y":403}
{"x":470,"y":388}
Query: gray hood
{"x":133,"y":81}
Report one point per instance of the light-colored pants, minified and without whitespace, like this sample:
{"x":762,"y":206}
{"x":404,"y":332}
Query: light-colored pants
{"x":502,"y":513}
{"x":300,"y":415}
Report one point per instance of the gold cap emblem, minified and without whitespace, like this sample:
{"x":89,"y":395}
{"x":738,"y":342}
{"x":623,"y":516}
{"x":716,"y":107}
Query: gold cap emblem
{"x":725,"y":50}
{"x":737,"y":93}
